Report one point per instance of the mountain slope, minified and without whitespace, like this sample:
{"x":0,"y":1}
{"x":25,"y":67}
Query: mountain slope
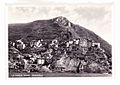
{"x":54,"y":28}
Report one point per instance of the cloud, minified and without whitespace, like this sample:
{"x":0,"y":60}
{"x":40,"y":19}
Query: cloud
{"x":94,"y":17}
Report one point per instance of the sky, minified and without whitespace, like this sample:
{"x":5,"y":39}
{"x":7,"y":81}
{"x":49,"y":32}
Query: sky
{"x":96,"y":17}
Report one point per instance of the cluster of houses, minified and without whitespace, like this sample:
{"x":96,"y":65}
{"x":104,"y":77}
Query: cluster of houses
{"x":78,"y":55}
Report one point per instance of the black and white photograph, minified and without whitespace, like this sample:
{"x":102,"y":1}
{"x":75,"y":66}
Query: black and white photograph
{"x":60,"y":40}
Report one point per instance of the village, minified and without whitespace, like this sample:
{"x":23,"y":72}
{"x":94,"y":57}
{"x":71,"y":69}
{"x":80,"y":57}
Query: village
{"x":78,"y":55}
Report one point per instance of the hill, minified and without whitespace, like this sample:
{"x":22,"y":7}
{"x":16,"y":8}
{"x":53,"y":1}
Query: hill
{"x":54,"y":28}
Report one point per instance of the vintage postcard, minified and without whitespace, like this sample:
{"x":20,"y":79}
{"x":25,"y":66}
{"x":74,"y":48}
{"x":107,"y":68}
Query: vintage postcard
{"x":59,"y":40}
